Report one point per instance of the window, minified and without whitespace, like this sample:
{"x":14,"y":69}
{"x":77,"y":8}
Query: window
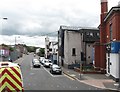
{"x":91,"y":34}
{"x":111,"y":37}
{"x":50,"y":49}
{"x":87,"y":33}
{"x":98,"y":34}
{"x":73,"y":52}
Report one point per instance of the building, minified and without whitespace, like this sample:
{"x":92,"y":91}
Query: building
{"x":75,"y":45}
{"x":4,"y":53}
{"x":105,"y":56}
{"x":46,"y":47}
{"x":53,"y":50}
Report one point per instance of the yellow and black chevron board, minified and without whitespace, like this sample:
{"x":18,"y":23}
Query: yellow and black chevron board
{"x":10,"y":77}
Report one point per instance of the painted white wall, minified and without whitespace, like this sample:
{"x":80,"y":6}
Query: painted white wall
{"x":46,"y":43}
{"x":72,"y":40}
{"x":89,"y":52}
{"x":114,"y":67}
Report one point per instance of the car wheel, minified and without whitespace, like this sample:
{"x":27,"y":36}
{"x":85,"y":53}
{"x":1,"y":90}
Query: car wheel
{"x":51,"y":71}
{"x":60,"y":73}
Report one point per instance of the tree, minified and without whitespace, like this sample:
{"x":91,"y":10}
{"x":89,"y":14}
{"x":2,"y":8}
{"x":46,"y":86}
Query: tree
{"x":41,"y":52}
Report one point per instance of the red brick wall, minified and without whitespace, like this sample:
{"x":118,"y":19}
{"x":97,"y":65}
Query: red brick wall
{"x":115,"y":21}
{"x":118,"y":26}
{"x":97,"y":55}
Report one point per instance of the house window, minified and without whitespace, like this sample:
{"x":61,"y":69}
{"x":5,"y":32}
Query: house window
{"x":73,"y":52}
{"x":50,"y":49}
{"x":91,"y":34}
{"x":87,"y":33}
{"x":98,"y":34}
{"x":111,"y":37}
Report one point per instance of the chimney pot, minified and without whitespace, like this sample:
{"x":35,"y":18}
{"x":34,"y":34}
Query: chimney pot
{"x":104,"y":1}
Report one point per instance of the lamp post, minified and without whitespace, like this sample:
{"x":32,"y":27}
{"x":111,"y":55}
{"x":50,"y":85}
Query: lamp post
{"x":16,"y":39}
{"x":4,"y":18}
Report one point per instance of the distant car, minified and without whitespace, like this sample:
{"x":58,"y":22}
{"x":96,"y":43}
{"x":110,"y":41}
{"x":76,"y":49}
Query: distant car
{"x":47,"y":63}
{"x":41,"y":59}
{"x":55,"y":69}
{"x":34,"y":55}
{"x":36,"y":63}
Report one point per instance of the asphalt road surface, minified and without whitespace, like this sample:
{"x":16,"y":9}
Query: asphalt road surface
{"x":42,"y":79}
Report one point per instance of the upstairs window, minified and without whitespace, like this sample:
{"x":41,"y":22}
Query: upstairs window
{"x":91,"y":34}
{"x":111,"y":33}
{"x":98,"y":34}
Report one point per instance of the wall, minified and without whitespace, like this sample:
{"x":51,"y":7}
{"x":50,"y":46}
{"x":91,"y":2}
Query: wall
{"x":97,"y":55}
{"x":89,"y":52}
{"x":72,"y":39}
{"x":115,"y":21}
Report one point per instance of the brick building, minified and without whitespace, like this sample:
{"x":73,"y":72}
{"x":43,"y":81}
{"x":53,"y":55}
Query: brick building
{"x":109,"y":32}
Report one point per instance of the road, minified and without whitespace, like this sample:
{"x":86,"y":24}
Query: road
{"x":42,"y":79}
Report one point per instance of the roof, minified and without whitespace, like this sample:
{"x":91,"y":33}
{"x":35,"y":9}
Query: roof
{"x":77,"y":28}
{"x":112,"y":10}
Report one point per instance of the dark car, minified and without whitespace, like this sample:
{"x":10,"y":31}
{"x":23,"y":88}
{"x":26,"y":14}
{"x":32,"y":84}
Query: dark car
{"x":36,"y":63}
{"x":55,"y":69}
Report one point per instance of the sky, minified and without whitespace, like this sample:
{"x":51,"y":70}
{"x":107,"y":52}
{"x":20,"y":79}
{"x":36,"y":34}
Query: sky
{"x":30,"y":21}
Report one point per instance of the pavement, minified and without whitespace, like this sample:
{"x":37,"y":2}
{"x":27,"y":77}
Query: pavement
{"x":102,"y":81}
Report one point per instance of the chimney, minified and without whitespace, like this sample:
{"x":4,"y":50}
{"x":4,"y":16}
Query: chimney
{"x":104,"y":9}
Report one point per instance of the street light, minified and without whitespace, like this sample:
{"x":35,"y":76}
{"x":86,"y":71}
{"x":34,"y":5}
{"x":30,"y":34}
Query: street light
{"x":16,"y":39}
{"x":4,"y":18}
{"x":1,"y":31}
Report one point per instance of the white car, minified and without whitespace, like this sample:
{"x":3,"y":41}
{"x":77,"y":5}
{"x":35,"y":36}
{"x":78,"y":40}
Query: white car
{"x":41,"y":59}
{"x":36,"y":63}
{"x":47,"y":63}
{"x":55,"y":69}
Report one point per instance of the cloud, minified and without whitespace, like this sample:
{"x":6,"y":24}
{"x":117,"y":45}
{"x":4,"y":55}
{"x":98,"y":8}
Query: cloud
{"x":29,"y":18}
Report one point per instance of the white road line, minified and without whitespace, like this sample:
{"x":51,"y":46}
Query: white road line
{"x":48,"y":71}
{"x":31,"y":66}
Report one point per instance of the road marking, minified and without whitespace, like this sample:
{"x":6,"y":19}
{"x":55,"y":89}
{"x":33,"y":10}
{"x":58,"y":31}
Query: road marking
{"x":68,"y":77}
{"x":48,"y":71}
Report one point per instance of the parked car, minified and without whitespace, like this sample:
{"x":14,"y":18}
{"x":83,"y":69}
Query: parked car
{"x":55,"y":69}
{"x":47,"y":63}
{"x":36,"y":63}
{"x":41,"y":59}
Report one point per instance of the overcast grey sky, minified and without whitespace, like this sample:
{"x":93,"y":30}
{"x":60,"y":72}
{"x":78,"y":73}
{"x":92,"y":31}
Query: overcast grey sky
{"x":38,"y":17}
